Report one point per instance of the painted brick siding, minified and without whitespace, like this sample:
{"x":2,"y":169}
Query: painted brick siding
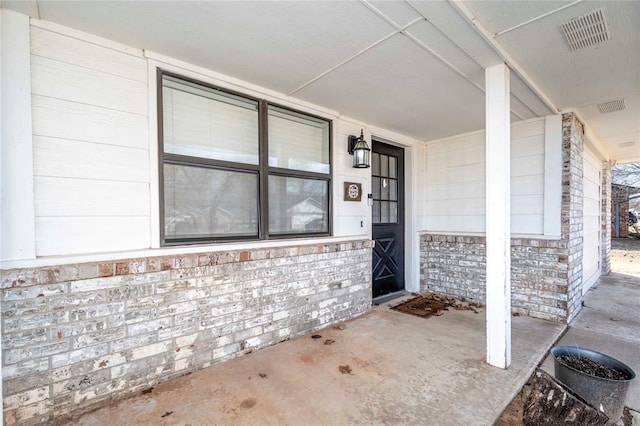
{"x":456,"y":265}
{"x":76,"y":336}
{"x":546,"y":274}
{"x":572,"y":204}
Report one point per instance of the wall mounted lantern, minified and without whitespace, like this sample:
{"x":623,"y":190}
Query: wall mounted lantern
{"x":360,"y":150}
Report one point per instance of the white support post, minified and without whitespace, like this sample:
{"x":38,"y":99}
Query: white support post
{"x":552,"y":175}
{"x":17,"y":221}
{"x":498,"y":219}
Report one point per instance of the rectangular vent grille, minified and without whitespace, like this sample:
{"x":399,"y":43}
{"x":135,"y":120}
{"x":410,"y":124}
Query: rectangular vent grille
{"x":612,"y":106}
{"x":586,"y":30}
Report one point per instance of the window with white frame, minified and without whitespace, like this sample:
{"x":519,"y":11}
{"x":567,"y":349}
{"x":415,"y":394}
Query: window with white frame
{"x":237,"y":168}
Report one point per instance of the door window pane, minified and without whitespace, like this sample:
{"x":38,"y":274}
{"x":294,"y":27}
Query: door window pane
{"x":393,"y":212}
{"x":393,"y":189}
{"x":298,"y":205}
{"x":393,"y":167}
{"x":202,"y":122}
{"x":298,"y":141}
{"x":375,"y":163}
{"x":384,"y":212}
{"x":384,"y":165}
{"x":384,"y":189}
{"x":375,"y":186}
{"x":201,"y":202}
{"x":375,"y":215}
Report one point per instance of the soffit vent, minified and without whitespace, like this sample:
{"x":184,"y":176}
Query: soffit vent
{"x":586,"y":30}
{"x":612,"y":106}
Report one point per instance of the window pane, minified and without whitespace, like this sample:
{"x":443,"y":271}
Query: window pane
{"x":393,"y":189}
{"x":375,"y":186}
{"x":384,"y":165}
{"x":297,"y":141}
{"x":393,"y":161}
{"x":375,"y":164}
{"x":384,"y":212}
{"x":298,"y":206}
{"x":202,"y":122}
{"x":375,"y":215}
{"x":393,"y":212}
{"x":201,"y":202}
{"x":384,"y":190}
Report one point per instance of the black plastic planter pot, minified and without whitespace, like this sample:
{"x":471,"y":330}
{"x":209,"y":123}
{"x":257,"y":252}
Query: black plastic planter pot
{"x":606,"y":395}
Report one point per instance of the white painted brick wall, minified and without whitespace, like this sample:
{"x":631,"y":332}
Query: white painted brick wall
{"x":71,"y":344}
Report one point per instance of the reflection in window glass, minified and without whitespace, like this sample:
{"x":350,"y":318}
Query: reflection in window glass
{"x":384,"y":190}
{"x":384,"y":212}
{"x":375,"y":163}
{"x":375,"y":215}
{"x":202,"y":202}
{"x":222,"y":174}
{"x":298,"y":205}
{"x":393,"y":168}
{"x":203,"y":122}
{"x":384,"y":165}
{"x":384,"y":171}
{"x":393,"y":212}
{"x":298,"y":141}
{"x":376,"y":188}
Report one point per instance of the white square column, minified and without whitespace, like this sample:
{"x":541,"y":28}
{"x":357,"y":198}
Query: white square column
{"x":498,"y":215}
{"x":17,"y":217}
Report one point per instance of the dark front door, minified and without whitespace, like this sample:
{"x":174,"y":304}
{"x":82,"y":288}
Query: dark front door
{"x":387,"y":173}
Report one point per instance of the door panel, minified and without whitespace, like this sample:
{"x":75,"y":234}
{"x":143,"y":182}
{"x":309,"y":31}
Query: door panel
{"x":387,"y":173}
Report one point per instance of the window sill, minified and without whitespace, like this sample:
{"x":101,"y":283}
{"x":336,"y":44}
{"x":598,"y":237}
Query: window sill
{"x":173,"y":250}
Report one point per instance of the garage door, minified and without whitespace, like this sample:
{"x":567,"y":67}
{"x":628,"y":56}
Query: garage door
{"x":591,"y":228}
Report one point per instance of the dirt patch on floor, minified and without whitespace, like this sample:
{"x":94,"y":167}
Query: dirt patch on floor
{"x":625,"y":255}
{"x":513,"y":415}
{"x":431,"y":304}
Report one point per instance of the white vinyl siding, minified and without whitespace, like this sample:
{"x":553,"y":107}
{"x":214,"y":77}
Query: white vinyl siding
{"x":91,"y":146}
{"x":455,"y":181}
{"x":591,"y":220}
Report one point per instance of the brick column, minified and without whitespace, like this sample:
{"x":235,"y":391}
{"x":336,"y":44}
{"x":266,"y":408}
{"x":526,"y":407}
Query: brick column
{"x":572,"y":215}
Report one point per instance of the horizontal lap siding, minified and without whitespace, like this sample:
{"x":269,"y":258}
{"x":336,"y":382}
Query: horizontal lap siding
{"x":591,"y":220}
{"x":91,"y":146}
{"x":455,"y":181}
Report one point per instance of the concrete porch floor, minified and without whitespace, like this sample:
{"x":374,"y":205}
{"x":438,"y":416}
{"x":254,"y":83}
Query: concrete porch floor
{"x":405,"y":370}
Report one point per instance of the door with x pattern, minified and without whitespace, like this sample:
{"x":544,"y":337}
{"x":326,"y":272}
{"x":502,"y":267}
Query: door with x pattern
{"x":387,"y":176}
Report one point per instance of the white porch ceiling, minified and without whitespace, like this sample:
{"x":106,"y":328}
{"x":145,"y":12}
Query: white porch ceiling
{"x":414,"y":67}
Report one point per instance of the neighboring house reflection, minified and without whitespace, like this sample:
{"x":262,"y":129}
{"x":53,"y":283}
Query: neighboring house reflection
{"x":308,"y":215}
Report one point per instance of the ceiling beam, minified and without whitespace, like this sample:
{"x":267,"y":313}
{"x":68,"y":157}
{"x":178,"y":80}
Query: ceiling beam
{"x":436,"y":55}
{"x":468,"y":16}
{"x":537,"y":18}
{"x":421,"y":44}
{"x":352,"y":57}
